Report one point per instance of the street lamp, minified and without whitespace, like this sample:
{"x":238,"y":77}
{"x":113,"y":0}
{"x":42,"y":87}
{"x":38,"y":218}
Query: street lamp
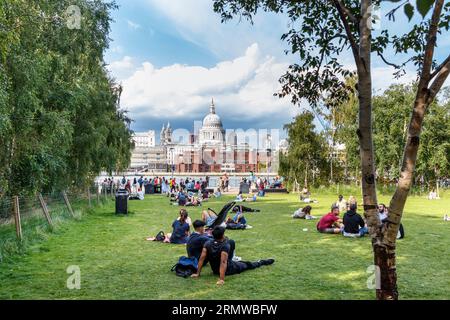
{"x":269,"y":154}
{"x":171,"y":160}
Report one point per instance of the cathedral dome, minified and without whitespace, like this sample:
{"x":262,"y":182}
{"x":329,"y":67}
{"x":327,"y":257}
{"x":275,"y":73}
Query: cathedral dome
{"x":212,"y":131}
{"x":212,"y":120}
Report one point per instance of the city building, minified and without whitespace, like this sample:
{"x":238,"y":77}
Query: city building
{"x":209,"y":149}
{"x":144,"y":139}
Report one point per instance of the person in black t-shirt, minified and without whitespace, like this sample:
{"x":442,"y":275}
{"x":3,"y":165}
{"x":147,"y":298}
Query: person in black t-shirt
{"x":354,"y":224}
{"x":197,"y":240}
{"x":219,"y":253}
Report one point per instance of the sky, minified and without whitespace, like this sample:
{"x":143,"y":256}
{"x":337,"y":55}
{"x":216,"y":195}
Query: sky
{"x":173,"y":57}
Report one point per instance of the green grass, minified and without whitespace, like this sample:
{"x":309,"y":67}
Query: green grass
{"x":117,"y":263}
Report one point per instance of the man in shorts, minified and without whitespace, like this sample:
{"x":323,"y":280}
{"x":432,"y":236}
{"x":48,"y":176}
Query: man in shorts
{"x":330,"y":223}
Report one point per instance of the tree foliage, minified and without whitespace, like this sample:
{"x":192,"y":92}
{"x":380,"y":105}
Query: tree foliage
{"x":307,"y":158}
{"x":391,"y":113}
{"x":60,"y":122}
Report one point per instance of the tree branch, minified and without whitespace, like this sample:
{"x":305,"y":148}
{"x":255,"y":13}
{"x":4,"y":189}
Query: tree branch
{"x":343,"y":15}
{"x":348,"y":13}
{"x":441,"y":76}
{"x":396,"y":66}
{"x":439,"y":68}
{"x":431,"y":41}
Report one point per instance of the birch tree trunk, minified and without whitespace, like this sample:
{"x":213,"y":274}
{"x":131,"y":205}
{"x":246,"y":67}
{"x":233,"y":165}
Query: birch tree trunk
{"x":368,"y":179}
{"x":385,"y":245}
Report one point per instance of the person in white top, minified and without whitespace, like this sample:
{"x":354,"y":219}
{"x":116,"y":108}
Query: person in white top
{"x":341,"y":204}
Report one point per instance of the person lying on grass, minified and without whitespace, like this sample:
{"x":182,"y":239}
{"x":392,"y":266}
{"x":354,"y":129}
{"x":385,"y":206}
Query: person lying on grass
{"x":180,"y":230}
{"x":208,"y":217}
{"x":237,"y":222}
{"x":330,"y":223}
{"x":219,"y":253}
{"x":303,"y":213}
{"x":241,"y":208}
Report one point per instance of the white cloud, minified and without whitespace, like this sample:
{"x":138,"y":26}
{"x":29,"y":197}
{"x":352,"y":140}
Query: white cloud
{"x":383,"y":78}
{"x":122,"y":69}
{"x":242,"y":88}
{"x":133,"y":25}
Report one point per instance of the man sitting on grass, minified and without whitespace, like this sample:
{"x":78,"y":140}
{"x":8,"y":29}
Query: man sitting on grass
{"x":219,"y":253}
{"x":197,"y":240}
{"x":330,"y":223}
{"x":354,"y":225}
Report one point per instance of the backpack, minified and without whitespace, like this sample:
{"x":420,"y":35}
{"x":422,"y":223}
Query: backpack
{"x":160,"y":236}
{"x":185,"y":266}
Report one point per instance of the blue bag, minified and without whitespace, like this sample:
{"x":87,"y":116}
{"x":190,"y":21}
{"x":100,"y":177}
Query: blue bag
{"x":185,"y":266}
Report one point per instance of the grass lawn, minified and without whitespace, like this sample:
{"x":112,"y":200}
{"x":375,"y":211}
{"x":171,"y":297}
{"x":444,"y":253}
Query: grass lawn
{"x":117,"y":263}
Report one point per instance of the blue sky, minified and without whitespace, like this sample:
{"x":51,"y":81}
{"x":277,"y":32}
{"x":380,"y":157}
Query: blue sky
{"x":173,"y":56}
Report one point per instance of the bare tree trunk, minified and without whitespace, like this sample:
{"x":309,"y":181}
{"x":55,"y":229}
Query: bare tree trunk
{"x":382,"y":257}
{"x":365,"y":120}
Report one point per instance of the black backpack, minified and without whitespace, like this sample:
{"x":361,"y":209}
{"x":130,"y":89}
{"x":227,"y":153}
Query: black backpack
{"x":185,"y":267}
{"x":160,"y":236}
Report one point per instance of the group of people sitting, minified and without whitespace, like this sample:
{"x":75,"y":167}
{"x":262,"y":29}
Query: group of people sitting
{"x":188,"y":198}
{"x":240,"y":198}
{"x":208,"y":244}
{"x":351,"y":224}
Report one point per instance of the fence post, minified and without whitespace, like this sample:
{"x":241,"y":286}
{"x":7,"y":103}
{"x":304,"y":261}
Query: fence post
{"x":98,"y":196}
{"x":89,"y":197}
{"x":45,"y":210}
{"x":17,"y":217}
{"x":66,"y":200}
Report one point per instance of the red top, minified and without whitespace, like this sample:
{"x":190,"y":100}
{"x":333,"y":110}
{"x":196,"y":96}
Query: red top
{"x":327,"y":221}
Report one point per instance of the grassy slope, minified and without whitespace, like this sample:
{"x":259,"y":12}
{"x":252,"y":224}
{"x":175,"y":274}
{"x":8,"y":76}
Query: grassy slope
{"x":116,"y":262}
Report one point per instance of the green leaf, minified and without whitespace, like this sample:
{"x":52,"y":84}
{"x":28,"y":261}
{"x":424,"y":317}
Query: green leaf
{"x":424,"y":6}
{"x":409,"y":11}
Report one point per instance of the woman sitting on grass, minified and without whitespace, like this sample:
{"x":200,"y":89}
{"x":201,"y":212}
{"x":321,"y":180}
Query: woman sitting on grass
{"x":180,"y":230}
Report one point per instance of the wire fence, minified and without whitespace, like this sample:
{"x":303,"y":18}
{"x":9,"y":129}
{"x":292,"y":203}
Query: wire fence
{"x":23,"y":219}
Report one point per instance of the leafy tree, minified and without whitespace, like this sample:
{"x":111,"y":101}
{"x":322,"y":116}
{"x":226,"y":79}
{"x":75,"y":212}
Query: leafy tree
{"x":391,"y":112}
{"x":320,"y":32}
{"x":307,"y":157}
{"x":60,"y":122}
